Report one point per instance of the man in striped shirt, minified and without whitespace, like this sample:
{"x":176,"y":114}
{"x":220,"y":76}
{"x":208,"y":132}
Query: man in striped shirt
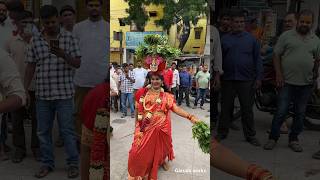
{"x":126,"y":87}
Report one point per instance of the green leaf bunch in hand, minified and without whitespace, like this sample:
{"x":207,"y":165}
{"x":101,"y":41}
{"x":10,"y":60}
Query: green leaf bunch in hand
{"x":201,"y":132}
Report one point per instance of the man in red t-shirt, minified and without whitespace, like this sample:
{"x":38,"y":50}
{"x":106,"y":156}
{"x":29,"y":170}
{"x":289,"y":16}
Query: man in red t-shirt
{"x":168,"y":77}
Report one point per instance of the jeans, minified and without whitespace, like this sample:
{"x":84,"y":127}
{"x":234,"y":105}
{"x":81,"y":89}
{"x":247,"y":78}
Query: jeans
{"x":124,"y":97}
{"x":299,"y":96}
{"x":186,"y":91}
{"x":46,"y":110}
{"x":201,"y":93}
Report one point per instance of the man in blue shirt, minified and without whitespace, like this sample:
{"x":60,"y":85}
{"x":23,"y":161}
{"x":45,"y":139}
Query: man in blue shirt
{"x":243,"y":71}
{"x":185,"y":85}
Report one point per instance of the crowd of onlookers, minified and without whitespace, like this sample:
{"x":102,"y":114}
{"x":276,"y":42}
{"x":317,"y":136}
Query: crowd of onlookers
{"x":127,"y":79}
{"x":240,"y":56}
{"x":47,"y":69}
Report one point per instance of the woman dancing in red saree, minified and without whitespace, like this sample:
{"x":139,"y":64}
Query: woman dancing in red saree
{"x":152,"y":143}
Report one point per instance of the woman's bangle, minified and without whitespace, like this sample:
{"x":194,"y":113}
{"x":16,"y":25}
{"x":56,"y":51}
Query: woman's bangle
{"x":255,"y":172}
{"x":250,"y":171}
{"x":190,"y":117}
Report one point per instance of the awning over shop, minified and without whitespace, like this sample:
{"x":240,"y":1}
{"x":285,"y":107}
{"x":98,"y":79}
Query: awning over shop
{"x":189,"y":57}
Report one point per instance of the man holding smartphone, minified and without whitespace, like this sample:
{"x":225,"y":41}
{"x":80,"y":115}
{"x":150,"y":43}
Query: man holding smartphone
{"x":126,"y":86}
{"x":54,"y":54}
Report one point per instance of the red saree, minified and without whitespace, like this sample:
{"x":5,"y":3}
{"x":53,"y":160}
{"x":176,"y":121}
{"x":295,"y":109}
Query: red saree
{"x":151,"y":147}
{"x":95,"y":129}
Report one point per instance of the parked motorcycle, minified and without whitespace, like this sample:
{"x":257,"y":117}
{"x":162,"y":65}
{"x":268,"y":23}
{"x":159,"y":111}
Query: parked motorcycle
{"x":266,"y":101}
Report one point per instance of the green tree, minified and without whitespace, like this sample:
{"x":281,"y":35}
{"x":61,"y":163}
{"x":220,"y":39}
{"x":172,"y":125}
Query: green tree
{"x":175,"y":11}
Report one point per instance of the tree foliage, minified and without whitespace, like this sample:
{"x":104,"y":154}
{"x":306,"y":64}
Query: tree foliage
{"x":174,"y":11}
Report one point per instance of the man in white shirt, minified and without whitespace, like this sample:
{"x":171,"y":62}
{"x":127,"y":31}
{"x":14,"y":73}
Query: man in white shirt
{"x":17,"y":48}
{"x":93,"y":37}
{"x":12,"y":93}
{"x":113,"y":88}
{"x":112,"y":68}
{"x":176,"y":80}
{"x":140,"y":75}
{"x":116,"y":78}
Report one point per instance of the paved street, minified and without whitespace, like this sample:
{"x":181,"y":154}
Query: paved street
{"x":284,"y":163}
{"x":189,"y":157}
{"x":27,"y":169}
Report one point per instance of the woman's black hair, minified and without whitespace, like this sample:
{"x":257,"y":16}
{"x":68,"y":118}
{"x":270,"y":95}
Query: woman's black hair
{"x":148,"y":80}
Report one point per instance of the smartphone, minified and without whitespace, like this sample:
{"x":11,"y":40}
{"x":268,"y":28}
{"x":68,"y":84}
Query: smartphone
{"x":54,"y":43}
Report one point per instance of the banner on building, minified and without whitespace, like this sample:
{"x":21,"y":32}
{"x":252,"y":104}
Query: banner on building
{"x":133,"y":39}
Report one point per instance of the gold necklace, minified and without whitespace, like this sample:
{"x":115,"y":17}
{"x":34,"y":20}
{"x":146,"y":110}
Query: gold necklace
{"x":155,"y":90}
{"x":144,"y":102}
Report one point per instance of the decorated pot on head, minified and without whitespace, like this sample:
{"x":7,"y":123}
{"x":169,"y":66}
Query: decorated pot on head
{"x":156,"y":52}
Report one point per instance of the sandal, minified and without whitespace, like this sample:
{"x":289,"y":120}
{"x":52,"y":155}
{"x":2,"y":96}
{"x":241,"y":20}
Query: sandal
{"x":295,"y":146}
{"x":270,"y":144}
{"x":316,"y":155}
{"x":73,"y":172}
{"x":43,"y":172}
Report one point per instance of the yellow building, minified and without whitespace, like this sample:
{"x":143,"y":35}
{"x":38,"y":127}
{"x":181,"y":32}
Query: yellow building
{"x":195,"y":43}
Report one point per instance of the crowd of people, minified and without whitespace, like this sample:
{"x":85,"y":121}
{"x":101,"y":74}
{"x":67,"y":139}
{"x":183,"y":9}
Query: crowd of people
{"x":127,"y":79}
{"x":239,"y":71}
{"x":52,"y":70}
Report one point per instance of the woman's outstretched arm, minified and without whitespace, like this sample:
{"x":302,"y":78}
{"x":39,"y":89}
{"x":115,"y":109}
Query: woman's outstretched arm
{"x":225,"y":160}
{"x":176,"y":109}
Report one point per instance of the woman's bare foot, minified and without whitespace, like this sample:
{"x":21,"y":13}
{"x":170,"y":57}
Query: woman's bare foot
{"x":137,"y":178}
{"x":166,"y":166}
